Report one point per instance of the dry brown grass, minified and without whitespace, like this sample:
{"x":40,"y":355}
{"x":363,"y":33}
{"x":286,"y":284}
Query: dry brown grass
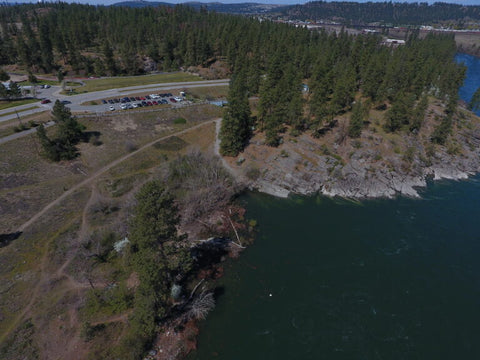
{"x":45,"y":273}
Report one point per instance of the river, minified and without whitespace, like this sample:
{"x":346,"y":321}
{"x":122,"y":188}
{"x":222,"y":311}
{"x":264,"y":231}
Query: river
{"x":337,"y":279}
{"x":472,"y":80}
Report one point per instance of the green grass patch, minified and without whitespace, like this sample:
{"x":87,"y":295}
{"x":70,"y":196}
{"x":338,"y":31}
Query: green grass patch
{"x":207,"y":92}
{"x":114,"y":299}
{"x":119,"y":82}
{"x":13,"y":103}
{"x":72,"y":83}
{"x":121,"y":186}
{"x":39,"y":82}
{"x":179,"y":120}
{"x":173,"y":143}
{"x":19,"y":112}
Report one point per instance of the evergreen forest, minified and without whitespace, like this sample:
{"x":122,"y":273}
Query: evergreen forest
{"x":265,"y":58}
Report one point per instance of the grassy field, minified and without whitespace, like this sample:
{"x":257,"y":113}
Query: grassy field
{"x":206,"y":93}
{"x":48,"y":273}
{"x":19,"y":112}
{"x":7,"y":127}
{"x":13,"y":103}
{"x":120,"y":82}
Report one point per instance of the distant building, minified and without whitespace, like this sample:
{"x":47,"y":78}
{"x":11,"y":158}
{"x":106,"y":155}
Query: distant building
{"x":7,"y":84}
{"x":219,"y":102}
{"x":393,"y":42}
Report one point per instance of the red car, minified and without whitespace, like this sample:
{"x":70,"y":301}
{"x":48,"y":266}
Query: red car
{"x":45,"y":101}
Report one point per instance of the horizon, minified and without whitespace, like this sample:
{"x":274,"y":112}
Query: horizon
{"x":269,"y":2}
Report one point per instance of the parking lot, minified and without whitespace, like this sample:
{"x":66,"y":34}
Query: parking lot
{"x":134,"y":102}
{"x":109,"y":101}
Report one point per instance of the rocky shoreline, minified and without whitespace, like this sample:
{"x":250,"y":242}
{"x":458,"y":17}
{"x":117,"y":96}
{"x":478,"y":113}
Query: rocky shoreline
{"x":381,"y":185}
{"x":375,"y":166}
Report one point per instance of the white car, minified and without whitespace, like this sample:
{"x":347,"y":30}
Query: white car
{"x":111,"y":108}
{"x":154,"y":96}
{"x":135,"y":105}
{"x":178,"y":98}
{"x":123,"y":106}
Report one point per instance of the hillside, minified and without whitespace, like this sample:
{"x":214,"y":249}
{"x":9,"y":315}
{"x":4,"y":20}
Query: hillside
{"x":392,"y":13}
{"x":376,"y":164}
{"x":238,"y":8}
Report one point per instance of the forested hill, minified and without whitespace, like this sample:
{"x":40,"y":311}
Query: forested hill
{"x":395,"y":13}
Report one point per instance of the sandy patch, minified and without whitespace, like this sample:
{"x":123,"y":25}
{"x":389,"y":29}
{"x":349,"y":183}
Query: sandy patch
{"x":124,"y":124}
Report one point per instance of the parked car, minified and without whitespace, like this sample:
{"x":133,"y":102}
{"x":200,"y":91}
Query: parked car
{"x":132,"y":99}
{"x":144,"y":103}
{"x":110,"y":101}
{"x":164,"y":101}
{"x":123,"y":106}
{"x":135,"y":105}
{"x":104,"y":101}
{"x":172,"y":100}
{"x":111,"y":108}
{"x":66,"y":102}
{"x":178,"y":98}
{"x":45,"y":101}
{"x":154,"y":102}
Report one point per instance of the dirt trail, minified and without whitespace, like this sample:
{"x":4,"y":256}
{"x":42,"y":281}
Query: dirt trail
{"x":73,"y":284}
{"x":102,"y":171}
{"x":33,"y":297}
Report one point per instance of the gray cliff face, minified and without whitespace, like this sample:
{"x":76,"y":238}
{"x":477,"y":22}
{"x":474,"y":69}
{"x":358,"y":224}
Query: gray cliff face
{"x":370,"y":167}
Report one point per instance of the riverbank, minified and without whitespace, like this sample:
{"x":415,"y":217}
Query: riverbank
{"x":377,"y":164}
{"x":353,"y":280}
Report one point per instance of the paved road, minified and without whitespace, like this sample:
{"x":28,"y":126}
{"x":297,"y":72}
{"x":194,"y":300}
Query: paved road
{"x":53,"y":93}
{"x":24,"y":133}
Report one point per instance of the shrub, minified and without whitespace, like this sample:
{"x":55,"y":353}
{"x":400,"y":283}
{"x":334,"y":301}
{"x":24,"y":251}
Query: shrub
{"x":179,"y":121}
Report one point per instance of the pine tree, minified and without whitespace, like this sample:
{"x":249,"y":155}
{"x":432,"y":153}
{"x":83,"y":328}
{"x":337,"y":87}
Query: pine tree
{"x":474,"y":103}
{"x":418,"y":114}
{"x":356,"y":120}
{"x":15,"y":91}
{"x":4,"y":76}
{"x":236,"y":121}
{"x":48,"y":146}
{"x":3,"y":92}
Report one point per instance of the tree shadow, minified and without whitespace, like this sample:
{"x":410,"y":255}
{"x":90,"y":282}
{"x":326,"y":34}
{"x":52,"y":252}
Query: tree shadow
{"x":325,"y":129}
{"x":92,"y":137}
{"x":209,"y":252}
{"x":6,"y":239}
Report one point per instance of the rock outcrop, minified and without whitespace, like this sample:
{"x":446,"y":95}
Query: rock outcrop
{"x":376,"y":165}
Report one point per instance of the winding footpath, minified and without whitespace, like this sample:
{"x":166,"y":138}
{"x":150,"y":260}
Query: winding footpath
{"x":101,"y":171}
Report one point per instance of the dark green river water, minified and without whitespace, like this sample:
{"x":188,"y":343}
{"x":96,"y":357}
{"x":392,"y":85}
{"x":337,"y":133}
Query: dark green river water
{"x":334,"y":279}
